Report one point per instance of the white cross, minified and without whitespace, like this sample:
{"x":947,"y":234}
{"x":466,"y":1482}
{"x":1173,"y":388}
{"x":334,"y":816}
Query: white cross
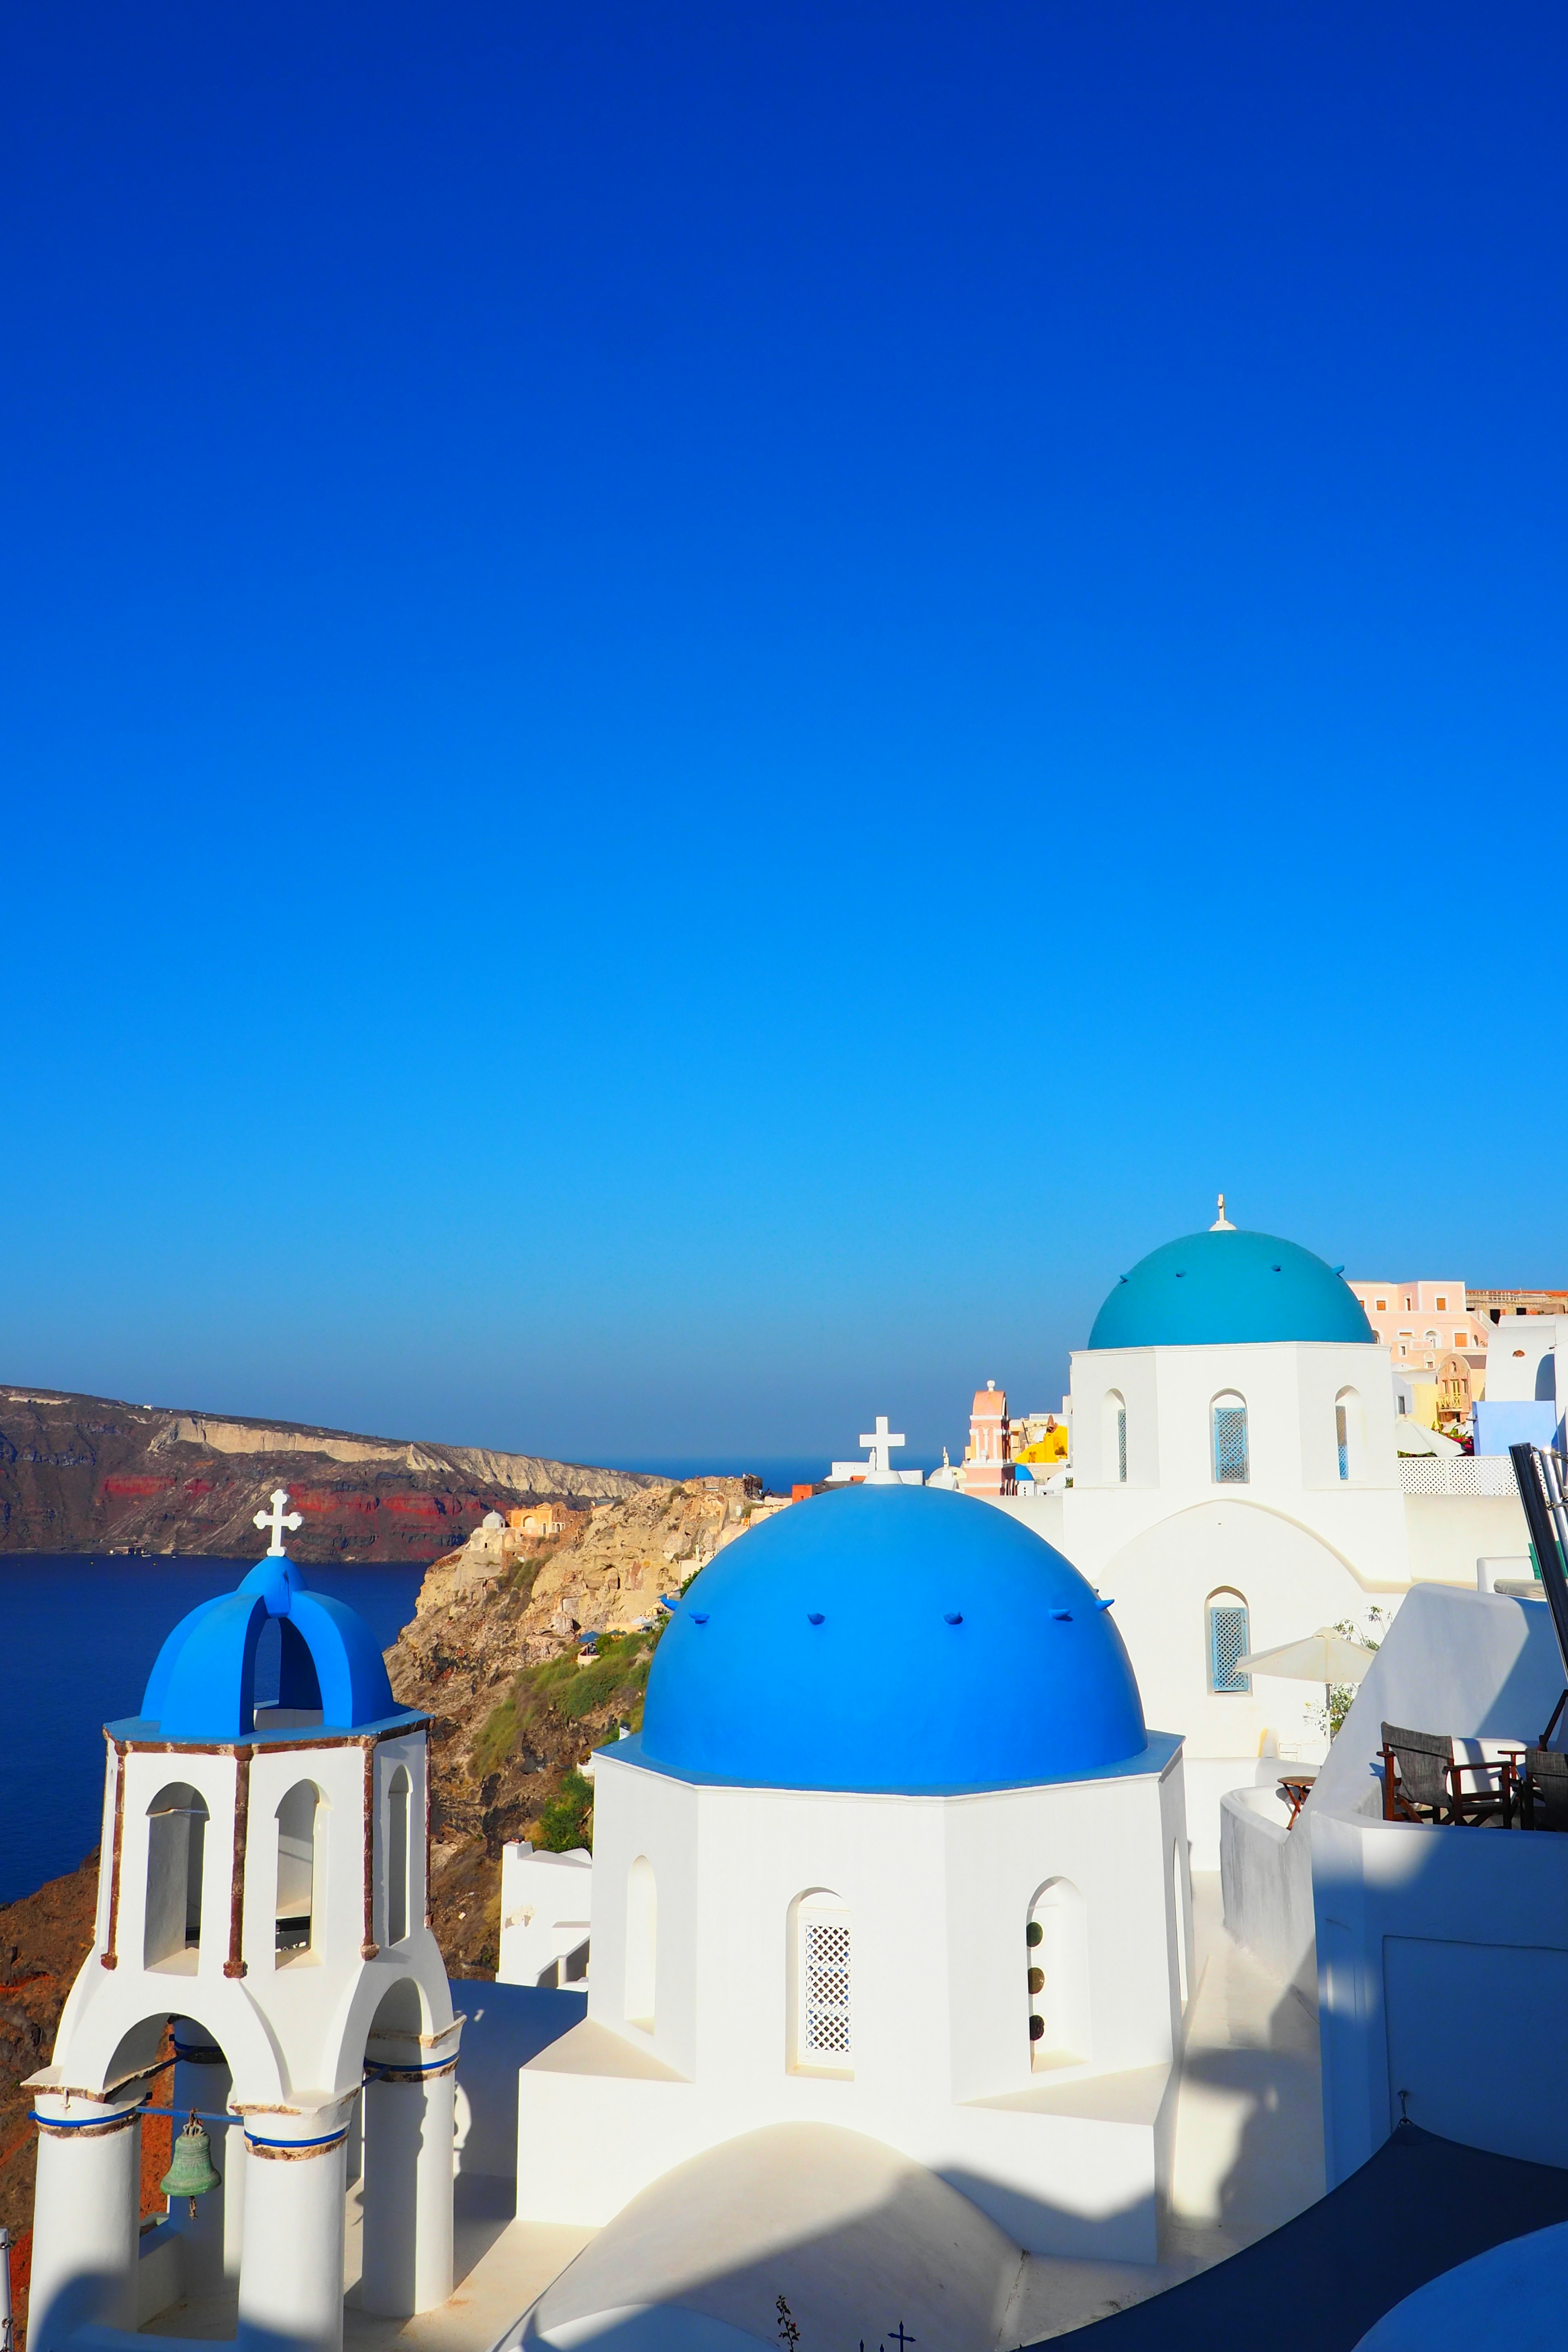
{"x":879,"y":1470}
{"x":276,"y":1519}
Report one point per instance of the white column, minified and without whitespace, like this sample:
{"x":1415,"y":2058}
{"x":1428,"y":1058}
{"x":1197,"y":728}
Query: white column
{"x":292,"y":2263}
{"x":202,"y":2081}
{"x":409,"y":2132}
{"x":85,"y":2214}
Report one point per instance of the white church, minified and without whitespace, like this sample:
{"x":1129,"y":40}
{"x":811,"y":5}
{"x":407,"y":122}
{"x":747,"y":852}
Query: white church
{"x":1237,"y":1482}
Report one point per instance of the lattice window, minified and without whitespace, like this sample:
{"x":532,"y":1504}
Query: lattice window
{"x":825,"y":1960}
{"x":1342,"y":1437}
{"x":1228,"y":1641}
{"x":1230,"y":1445}
{"x":1122,"y":1444}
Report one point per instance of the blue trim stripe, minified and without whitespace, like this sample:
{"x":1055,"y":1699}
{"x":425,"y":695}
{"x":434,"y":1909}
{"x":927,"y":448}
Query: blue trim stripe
{"x":327,"y":2139}
{"x":86,"y":2123}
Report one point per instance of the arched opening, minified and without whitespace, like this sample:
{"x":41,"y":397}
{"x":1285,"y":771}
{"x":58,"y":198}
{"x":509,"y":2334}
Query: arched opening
{"x":176,"y":1841}
{"x":1228,"y":1415}
{"x":1229,"y":1638}
{"x":1057,"y":1940}
{"x":1179,"y":1920}
{"x":642,"y":1944}
{"x":286,"y":1692}
{"x":1113,"y":1438}
{"x":397,"y":1798}
{"x":1347,"y":1433}
{"x":822,"y":2038}
{"x":298,"y":1862}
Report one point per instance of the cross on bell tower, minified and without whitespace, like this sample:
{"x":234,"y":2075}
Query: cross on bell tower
{"x":279,"y":1517}
{"x":880,"y":1471}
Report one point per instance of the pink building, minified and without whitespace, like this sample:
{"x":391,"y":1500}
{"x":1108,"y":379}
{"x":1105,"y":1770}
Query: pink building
{"x":987,"y":1466}
{"x":1421,"y":1322}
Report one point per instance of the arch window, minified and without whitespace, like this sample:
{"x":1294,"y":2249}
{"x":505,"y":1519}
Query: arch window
{"x":824,"y":2037}
{"x":1347,"y":1433}
{"x":176,"y":1845}
{"x":1231,"y":1464}
{"x":642,"y":1944}
{"x":1115,"y":1438}
{"x":1057,"y":1943}
{"x":1229,"y":1640}
{"x":296,"y":1900}
{"x":397,"y":1798}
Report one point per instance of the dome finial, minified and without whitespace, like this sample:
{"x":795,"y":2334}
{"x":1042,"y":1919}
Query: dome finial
{"x":279,"y":1517}
{"x":1222,"y":1224}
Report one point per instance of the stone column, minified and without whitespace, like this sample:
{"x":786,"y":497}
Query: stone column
{"x":86,"y":2214}
{"x":409,"y":2133}
{"x":292,"y":2263}
{"x":202,"y":2081}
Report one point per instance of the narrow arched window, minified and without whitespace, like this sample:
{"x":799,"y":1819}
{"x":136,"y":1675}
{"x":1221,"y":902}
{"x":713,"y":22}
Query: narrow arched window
{"x":397,"y":1857}
{"x":642,"y":1944}
{"x":296,"y":1904}
{"x":822,"y":2037}
{"x":1229,"y":1640}
{"x":1230,"y":1455}
{"x":1056,"y":1939}
{"x":1113,"y":1436}
{"x":1347,"y":1433}
{"x":176,"y":1845}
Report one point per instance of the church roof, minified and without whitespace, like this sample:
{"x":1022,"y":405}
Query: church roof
{"x":213,"y":1671}
{"x":1229,"y":1287}
{"x":890,"y":1638}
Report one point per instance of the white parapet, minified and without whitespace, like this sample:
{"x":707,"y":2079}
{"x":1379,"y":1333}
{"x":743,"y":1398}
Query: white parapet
{"x":545,"y":1905}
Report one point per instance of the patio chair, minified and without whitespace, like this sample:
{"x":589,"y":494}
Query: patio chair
{"x":1414,"y":1774}
{"x":1425,"y":1773}
{"x":1545,"y":1789}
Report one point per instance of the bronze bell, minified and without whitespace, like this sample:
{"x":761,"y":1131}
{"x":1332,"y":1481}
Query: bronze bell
{"x":191,"y":2172}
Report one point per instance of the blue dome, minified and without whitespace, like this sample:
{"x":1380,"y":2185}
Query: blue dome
{"x":205,"y":1683}
{"x":890,"y":1637}
{"x":1211,"y":1288}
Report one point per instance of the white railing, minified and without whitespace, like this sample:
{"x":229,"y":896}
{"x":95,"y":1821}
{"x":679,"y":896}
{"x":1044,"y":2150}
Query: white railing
{"x":1456,"y":1474}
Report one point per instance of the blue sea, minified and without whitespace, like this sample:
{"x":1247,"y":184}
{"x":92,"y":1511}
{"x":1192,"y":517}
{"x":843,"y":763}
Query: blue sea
{"x":778,"y":1472}
{"x":77,"y":1638}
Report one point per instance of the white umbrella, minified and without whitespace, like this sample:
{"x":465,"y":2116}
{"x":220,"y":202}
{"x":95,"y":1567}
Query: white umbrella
{"x":1324,"y":1656}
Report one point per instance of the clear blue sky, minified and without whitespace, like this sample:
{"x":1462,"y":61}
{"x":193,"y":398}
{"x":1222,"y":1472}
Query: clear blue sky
{"x":704,"y":706}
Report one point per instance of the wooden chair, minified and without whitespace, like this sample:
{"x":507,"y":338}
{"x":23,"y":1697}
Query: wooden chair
{"x":1545,"y":1790}
{"x":1424,"y":1779}
{"x":1414,"y":1774}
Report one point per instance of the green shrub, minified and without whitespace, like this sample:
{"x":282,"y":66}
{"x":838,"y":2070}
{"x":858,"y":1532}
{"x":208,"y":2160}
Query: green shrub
{"x":498,"y":1737}
{"x":564,"y":1822}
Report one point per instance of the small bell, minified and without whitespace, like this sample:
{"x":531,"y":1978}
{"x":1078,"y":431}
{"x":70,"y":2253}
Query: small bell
{"x":191,"y":2172}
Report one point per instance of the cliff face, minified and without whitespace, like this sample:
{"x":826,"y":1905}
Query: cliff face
{"x":493,"y":1658}
{"x":82,"y":1474}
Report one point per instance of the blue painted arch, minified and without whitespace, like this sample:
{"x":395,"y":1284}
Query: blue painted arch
{"x":203,"y":1684}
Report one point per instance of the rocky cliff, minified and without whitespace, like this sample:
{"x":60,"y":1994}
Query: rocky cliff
{"x":494,"y":1658}
{"x":81,"y":1474}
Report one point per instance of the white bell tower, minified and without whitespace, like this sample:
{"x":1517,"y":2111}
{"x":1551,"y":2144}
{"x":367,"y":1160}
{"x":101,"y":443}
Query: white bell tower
{"x":263,"y":1890}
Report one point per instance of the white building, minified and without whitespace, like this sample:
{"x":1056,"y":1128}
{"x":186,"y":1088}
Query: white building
{"x":263,"y":1890}
{"x":894,"y":1854}
{"x":1236,"y":1483}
